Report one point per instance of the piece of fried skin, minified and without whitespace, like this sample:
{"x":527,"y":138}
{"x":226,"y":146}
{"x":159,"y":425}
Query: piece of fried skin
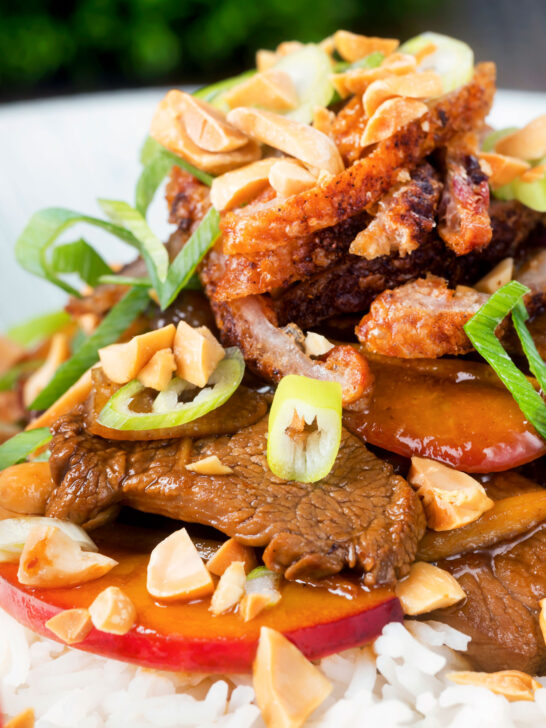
{"x":371,"y":518}
{"x":421,"y":319}
{"x":362,"y":184}
{"x":464,"y":223}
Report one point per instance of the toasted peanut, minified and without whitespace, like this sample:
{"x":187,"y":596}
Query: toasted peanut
{"x":50,"y":558}
{"x":73,"y":396}
{"x":292,"y":137}
{"x":451,"y":499}
{"x":112,"y":611}
{"x":207,"y":127}
{"x":512,"y":684}
{"x":528,"y":143}
{"x":26,"y":719}
{"x":210,"y":465}
{"x":316,"y":344}
{"x":242,"y":185}
{"x":59,"y":351}
{"x":10,"y":354}
{"x":168,"y":129}
{"x":424,"y":85}
{"x":157,"y":373}
{"x":391,"y":116}
{"x":287,"y":47}
{"x":70,"y":626}
{"x":176,"y":571}
{"x":427,"y":588}
{"x":502,"y":273}
{"x":265,"y":59}
{"x":501,"y":169}
{"x":230,"y":551}
{"x":323,"y":119}
{"x":197,"y":353}
{"x":352,"y":47}
{"x":272,"y":89}
{"x":328,"y":45}
{"x":25,"y":488}
{"x":288,"y":178}
{"x":357,"y":80}
{"x":288,"y":687}
{"x":122,"y":362}
{"x":230,"y":588}
{"x":252,"y":604}
{"x":534,"y":174}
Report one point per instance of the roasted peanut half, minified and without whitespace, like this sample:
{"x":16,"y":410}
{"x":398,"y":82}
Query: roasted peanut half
{"x":500,"y":168}
{"x":357,"y":80}
{"x":288,"y":178}
{"x":391,"y":116}
{"x":412,"y":85}
{"x":428,"y":588}
{"x":502,"y":273}
{"x":512,"y":684}
{"x":291,"y":137}
{"x":207,"y":127}
{"x":272,"y":89}
{"x":238,"y":187}
{"x":527,"y":143}
{"x":351,"y":46}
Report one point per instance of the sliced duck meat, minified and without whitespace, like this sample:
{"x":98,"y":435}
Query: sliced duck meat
{"x":464,"y":222}
{"x":365,"y":182}
{"x":421,"y":319}
{"x":361,"y":516}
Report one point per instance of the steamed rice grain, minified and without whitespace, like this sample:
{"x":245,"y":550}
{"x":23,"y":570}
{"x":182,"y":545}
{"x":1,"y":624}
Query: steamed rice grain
{"x":398,"y":681}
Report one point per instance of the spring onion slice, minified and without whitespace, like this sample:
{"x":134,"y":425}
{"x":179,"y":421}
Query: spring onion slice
{"x":119,"y":280}
{"x":264,"y":582}
{"x":292,"y":453}
{"x":152,"y":249}
{"x":536,"y":363}
{"x":212,"y":94}
{"x":481,"y":332}
{"x":119,"y":318}
{"x":157,"y":162}
{"x":79,"y":257}
{"x":167,"y":410}
{"x":40,"y":234}
{"x":372,"y":60}
{"x":20,"y":446}
{"x":184,"y":265}
{"x":452,"y":59}
{"x":39,"y":328}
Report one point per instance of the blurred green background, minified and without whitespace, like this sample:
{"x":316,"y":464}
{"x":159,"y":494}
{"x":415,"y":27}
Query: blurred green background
{"x":52,"y":47}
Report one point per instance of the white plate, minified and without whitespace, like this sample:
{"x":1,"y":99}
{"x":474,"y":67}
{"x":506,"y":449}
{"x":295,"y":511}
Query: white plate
{"x":68,"y":152}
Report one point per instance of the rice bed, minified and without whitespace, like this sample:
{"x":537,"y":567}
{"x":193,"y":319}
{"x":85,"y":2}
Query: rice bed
{"x":397,"y":681}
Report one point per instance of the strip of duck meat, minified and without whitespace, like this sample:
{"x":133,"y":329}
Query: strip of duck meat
{"x":464,"y":222}
{"x":361,"y":516}
{"x":422,"y":319}
{"x":366,"y":181}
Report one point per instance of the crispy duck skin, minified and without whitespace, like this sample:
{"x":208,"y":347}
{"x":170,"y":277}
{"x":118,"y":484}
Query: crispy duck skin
{"x":365,"y":182}
{"x":361,"y":516}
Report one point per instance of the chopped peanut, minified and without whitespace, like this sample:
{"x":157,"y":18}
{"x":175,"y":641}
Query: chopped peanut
{"x":316,"y":344}
{"x":58,"y":352}
{"x":25,"y":488}
{"x":265,"y":59}
{"x":292,"y":137}
{"x":533,"y":174}
{"x":352,"y":47}
{"x":242,"y":185}
{"x":272,"y":89}
{"x":230,"y":551}
{"x":357,"y":80}
{"x":157,"y":373}
{"x":288,"y":687}
{"x":451,"y":499}
{"x":112,"y":611}
{"x":527,"y":143}
{"x":501,"y":169}
{"x":428,"y":588}
{"x":288,"y":178}
{"x":323,"y":119}
{"x":168,"y":129}
{"x":73,"y":396}
{"x":197,"y":353}
{"x":512,"y":684}
{"x":26,"y":719}
{"x":210,"y":465}
{"x":423,"y":85}
{"x":502,"y":273}
{"x":230,"y":588}
{"x":391,"y":116}
{"x":10,"y":354}
{"x":207,"y":127}
{"x":176,"y":571}
{"x":50,"y":558}
{"x":122,"y":362}
{"x":70,"y":626}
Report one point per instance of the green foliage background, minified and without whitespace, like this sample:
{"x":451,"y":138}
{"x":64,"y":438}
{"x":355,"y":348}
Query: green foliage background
{"x":50,"y":46}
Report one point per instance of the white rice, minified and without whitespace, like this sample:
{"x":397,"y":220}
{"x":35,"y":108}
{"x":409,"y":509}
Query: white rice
{"x":397,"y":681}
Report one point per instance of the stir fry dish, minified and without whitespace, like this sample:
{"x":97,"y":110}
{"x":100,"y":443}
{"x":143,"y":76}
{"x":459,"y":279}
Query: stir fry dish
{"x":318,"y":407}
